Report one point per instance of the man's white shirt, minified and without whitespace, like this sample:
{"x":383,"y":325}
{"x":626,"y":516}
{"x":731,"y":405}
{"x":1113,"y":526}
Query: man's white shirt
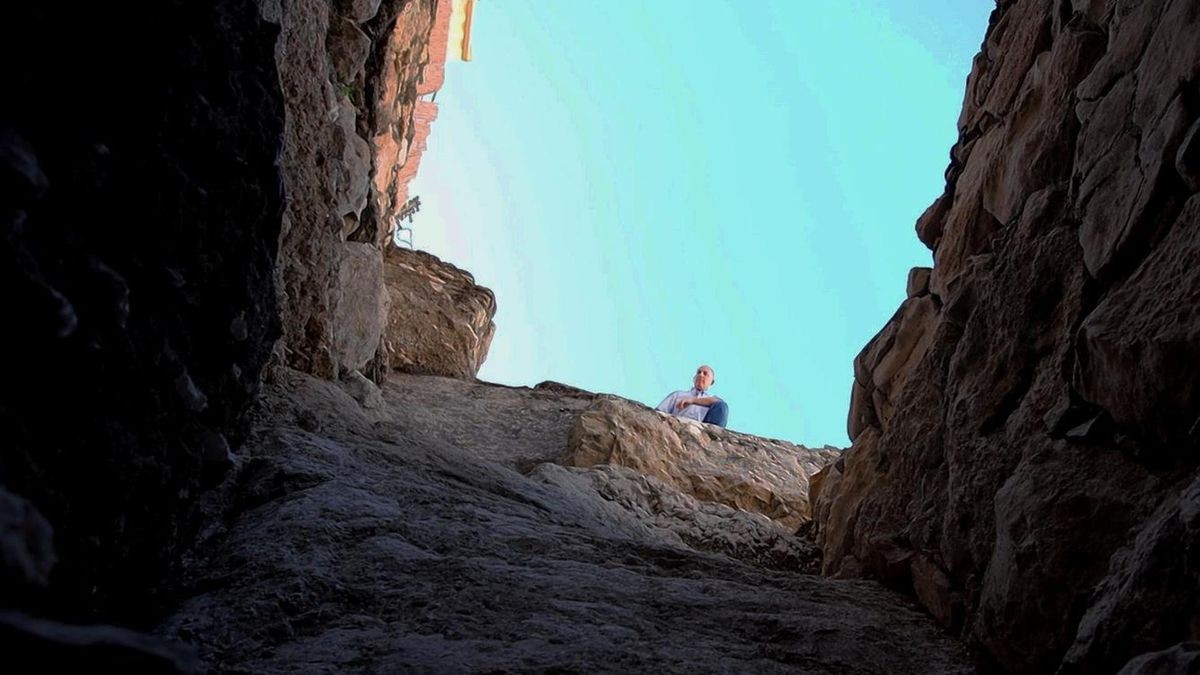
{"x":692,"y":412}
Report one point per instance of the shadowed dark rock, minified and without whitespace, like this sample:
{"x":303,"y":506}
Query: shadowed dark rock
{"x":140,"y":203}
{"x":57,"y":647}
{"x":1182,"y":659}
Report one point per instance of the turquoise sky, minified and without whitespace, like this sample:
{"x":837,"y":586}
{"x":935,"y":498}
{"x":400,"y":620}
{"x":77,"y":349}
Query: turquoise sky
{"x":648,"y":185}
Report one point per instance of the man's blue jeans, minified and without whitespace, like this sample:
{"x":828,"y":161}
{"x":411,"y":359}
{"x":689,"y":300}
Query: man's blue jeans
{"x":718,"y":414}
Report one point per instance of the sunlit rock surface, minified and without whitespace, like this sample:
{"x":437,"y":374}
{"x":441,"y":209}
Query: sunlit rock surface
{"x":405,"y":539}
{"x":440,"y":320}
{"x":713,"y":464}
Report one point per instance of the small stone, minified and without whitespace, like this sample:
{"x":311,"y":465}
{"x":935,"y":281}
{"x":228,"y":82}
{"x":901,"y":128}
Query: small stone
{"x":216,"y":448}
{"x":1087,"y":429}
{"x":918,"y":281}
{"x":217,"y":456}
{"x":363,"y":390}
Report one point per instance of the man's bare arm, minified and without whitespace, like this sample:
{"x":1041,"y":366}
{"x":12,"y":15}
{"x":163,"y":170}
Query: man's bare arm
{"x":685,"y":401}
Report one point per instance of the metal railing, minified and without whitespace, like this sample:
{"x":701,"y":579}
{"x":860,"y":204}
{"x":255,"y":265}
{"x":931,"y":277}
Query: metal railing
{"x":407,"y":211}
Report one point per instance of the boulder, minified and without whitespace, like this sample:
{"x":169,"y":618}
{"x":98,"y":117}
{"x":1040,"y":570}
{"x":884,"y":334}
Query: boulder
{"x":836,"y":504}
{"x":710,"y":463}
{"x":440,"y":321}
{"x":882,"y":367}
{"x":362,"y":306}
{"x":1133,"y":118}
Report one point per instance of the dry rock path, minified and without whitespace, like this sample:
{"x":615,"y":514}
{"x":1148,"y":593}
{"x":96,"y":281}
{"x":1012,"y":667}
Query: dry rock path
{"x":426,"y":535}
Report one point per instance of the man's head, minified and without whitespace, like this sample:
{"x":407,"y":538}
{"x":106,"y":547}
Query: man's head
{"x":704,"y":378}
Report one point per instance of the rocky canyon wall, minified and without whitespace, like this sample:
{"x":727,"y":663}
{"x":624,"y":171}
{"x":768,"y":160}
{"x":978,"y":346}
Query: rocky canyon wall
{"x":353,"y":73}
{"x":141,"y":207}
{"x":210,"y":187}
{"x":1027,"y":426}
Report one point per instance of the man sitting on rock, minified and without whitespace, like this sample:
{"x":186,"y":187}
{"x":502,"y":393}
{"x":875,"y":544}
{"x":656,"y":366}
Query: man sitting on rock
{"x":695,"y":403}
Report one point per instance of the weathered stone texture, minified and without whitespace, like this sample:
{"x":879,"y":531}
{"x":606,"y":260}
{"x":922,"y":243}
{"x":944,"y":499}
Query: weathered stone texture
{"x":415,"y":541}
{"x":352,"y":74}
{"x":440,"y":322}
{"x":1024,"y":434}
{"x":362,"y":308}
{"x":712,"y":464}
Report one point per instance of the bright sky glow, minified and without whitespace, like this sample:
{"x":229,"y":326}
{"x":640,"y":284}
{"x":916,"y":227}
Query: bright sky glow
{"x":651,"y":185}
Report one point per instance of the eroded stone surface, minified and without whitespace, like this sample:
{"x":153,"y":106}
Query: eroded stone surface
{"x":362,"y":308}
{"x":1152,"y":596}
{"x":1132,"y":352}
{"x":440,"y":321}
{"x":1014,"y":437}
{"x":713,"y":464}
{"x":366,"y":542}
{"x":351,"y":74}
{"x":702,"y":525}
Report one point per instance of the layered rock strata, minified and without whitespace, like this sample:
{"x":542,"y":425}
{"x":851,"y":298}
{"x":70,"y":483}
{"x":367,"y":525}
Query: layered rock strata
{"x":1026,"y":426}
{"x":710,"y":463}
{"x":440,"y":321}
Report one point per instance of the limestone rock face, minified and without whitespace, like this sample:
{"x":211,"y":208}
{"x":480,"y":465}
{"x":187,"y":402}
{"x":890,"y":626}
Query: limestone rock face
{"x":710,"y":463}
{"x":351,"y":74}
{"x":1026,"y":430}
{"x":440,"y":322}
